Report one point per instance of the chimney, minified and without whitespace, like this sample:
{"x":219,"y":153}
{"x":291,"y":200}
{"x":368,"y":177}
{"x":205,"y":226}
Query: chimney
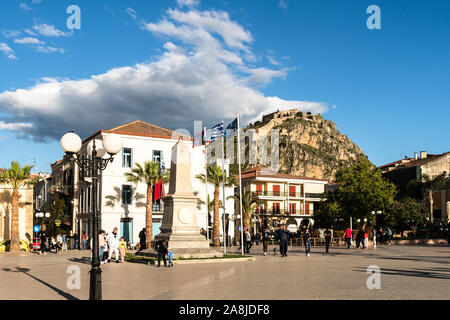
{"x":423,"y":154}
{"x":415,"y":156}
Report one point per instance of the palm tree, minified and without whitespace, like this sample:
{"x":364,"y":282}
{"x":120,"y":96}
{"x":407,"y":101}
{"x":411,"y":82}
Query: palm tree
{"x":149,"y":173}
{"x":429,"y":185}
{"x":16,"y":177}
{"x":215,"y":178}
{"x":247,"y":206}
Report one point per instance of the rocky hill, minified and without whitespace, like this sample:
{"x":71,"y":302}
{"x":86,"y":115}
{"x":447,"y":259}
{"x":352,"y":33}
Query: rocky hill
{"x":310,"y":146}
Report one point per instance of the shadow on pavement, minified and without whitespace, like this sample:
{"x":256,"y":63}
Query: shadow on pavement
{"x":85,"y":260}
{"x":410,"y":273}
{"x":66,"y":295}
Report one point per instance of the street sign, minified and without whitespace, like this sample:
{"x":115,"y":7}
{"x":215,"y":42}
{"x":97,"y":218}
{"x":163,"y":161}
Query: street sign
{"x":36,"y":228}
{"x":239,"y":228}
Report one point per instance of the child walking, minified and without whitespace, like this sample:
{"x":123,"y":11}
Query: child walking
{"x":170,"y":256}
{"x":122,"y":249}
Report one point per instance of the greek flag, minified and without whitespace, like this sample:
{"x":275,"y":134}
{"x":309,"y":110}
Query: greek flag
{"x":217,"y":131}
{"x":163,"y":165}
{"x":233,"y":125}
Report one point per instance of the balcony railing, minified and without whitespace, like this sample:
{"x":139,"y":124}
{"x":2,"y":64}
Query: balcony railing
{"x":283,"y":212}
{"x":158,"y":207}
{"x":287,"y":194}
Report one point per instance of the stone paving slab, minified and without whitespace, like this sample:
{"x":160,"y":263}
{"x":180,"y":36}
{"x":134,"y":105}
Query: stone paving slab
{"x":407,"y":272}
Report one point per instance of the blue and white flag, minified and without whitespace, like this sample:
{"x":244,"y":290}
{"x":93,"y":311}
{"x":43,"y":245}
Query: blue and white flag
{"x":217,"y":131}
{"x":163,"y":165}
{"x":233,"y":125}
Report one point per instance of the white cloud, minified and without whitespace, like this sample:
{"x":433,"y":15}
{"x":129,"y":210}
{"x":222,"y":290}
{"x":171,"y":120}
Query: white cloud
{"x":202,"y":74}
{"x":48,"y":49}
{"x":188,"y":3}
{"x":131,"y":12}
{"x":273,"y":61}
{"x":282,"y":4}
{"x":50,"y":31}
{"x":7,"y":51}
{"x":30,"y":32}
{"x":28,"y":40}
{"x":11,"y":33}
{"x":24,"y":6}
{"x":14,"y":126}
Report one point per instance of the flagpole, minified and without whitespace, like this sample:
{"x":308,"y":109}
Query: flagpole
{"x":206,"y":184}
{"x":223,"y":187}
{"x":240,"y":182}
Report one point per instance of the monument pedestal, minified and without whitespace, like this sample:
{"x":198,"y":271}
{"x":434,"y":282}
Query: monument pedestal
{"x":180,"y":223}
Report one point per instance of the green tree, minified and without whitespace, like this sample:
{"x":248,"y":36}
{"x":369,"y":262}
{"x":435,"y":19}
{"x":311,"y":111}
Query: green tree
{"x":407,"y":212}
{"x":17,"y":177}
{"x":362,"y":190}
{"x":248,"y":203}
{"x":328,"y":212}
{"x":57,"y":212}
{"x":428,"y":185}
{"x":215,"y":178}
{"x":148,"y":173}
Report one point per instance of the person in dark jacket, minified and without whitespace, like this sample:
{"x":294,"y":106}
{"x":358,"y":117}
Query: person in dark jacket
{"x":283,"y":240}
{"x":265,"y":237}
{"x":327,"y":235}
{"x":142,"y":240}
{"x":307,"y":239}
{"x":76,"y":241}
{"x":161,"y":248}
{"x":43,"y":239}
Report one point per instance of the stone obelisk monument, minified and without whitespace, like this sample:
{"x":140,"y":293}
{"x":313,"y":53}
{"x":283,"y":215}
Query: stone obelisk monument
{"x":180,"y":218}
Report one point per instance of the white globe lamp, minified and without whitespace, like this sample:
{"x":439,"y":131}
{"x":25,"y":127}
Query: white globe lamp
{"x":71,"y":142}
{"x":112,"y":144}
{"x":98,"y":146}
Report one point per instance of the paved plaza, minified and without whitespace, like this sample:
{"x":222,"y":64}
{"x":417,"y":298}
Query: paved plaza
{"x":407,"y":272}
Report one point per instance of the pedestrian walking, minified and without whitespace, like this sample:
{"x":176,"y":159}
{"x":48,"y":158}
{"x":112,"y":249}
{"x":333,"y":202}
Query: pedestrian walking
{"x":283,"y":240}
{"x":307,"y":239}
{"x":327,"y":235}
{"x":247,"y":240}
{"x":358,"y":238}
{"x":161,"y":248}
{"x":170,"y":256}
{"x":113,"y":245}
{"x":64,"y":243}
{"x":142,"y":240}
{"x":83,"y":240}
{"x":101,"y":245}
{"x":265,"y":240}
{"x":76,"y":239}
{"x":366,"y":240}
{"x":122,"y":249}
{"x":374,"y":238}
{"x":348,"y":237}
{"x":43,"y":246}
{"x":389,"y":235}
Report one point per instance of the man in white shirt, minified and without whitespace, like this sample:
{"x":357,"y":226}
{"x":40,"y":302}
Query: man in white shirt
{"x":113,"y":245}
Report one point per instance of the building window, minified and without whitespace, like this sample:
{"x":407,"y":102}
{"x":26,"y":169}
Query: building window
{"x":126,"y":194}
{"x":156,"y":156}
{"x":276,"y":190}
{"x":126,"y":157}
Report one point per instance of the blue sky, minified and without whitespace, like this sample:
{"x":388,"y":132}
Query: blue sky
{"x":173,"y":62}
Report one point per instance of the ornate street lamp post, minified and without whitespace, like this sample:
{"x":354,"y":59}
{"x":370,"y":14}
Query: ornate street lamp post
{"x":93,"y":164}
{"x":376,"y":213}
